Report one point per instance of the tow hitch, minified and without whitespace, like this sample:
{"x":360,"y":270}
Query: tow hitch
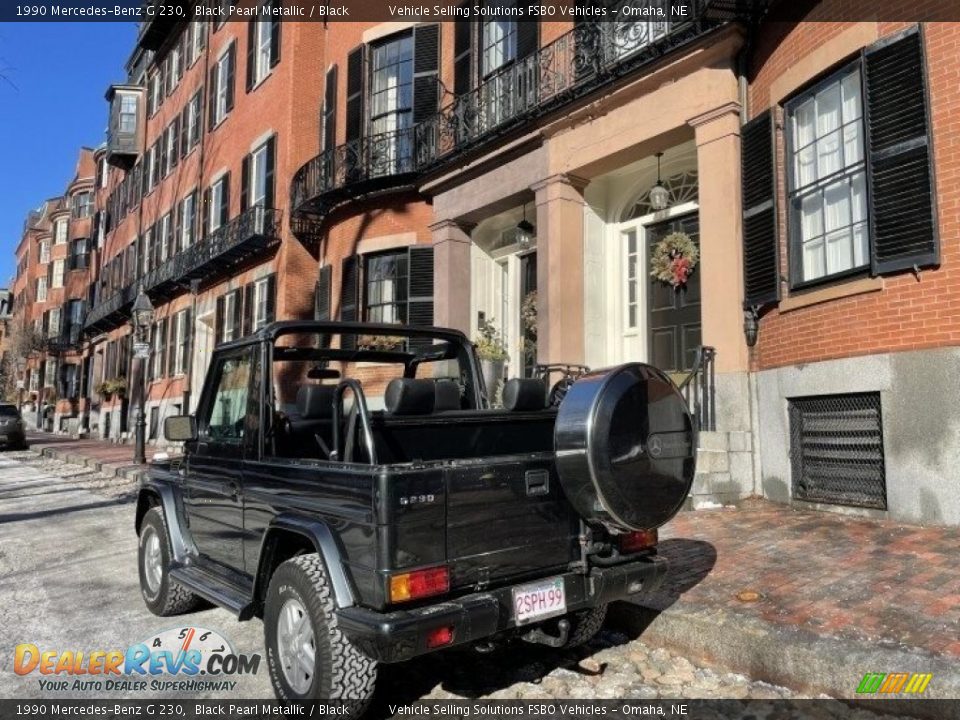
{"x":537,"y":636}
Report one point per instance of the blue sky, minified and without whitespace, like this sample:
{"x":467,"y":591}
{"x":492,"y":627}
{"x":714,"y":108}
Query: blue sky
{"x":53,"y":79}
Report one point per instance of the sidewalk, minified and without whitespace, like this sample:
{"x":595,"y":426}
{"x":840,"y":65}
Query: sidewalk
{"x":836,"y":597}
{"x":105,"y":457}
{"x":824,"y":598}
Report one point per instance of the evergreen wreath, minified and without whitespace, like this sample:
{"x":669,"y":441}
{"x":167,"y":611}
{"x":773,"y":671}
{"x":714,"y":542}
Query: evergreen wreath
{"x":674,"y":259}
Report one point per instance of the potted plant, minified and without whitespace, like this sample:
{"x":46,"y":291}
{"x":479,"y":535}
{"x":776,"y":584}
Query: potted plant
{"x":493,"y":355}
{"x":120,"y":387}
{"x":105,"y":389}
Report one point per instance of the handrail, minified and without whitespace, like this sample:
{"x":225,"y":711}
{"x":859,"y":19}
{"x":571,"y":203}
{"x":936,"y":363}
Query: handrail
{"x":699,"y":388}
{"x":360,"y":402}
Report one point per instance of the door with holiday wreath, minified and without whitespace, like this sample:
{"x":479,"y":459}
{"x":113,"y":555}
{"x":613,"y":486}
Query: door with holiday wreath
{"x":673,"y":307}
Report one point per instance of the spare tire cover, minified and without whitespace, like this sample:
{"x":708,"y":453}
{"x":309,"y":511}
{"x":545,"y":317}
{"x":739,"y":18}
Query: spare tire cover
{"x":625,"y":447}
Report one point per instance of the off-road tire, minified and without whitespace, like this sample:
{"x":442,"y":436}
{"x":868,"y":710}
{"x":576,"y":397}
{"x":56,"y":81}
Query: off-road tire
{"x":172,"y":598}
{"x":341,"y":672}
{"x":584,"y":625}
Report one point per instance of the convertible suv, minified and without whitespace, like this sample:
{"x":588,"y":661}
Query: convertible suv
{"x":351,"y":485}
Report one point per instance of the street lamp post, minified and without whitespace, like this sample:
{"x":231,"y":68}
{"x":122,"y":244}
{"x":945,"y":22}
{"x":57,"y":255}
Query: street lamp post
{"x":142,"y":318}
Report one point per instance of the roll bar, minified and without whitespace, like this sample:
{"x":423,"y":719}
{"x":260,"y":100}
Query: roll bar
{"x":361,"y":403}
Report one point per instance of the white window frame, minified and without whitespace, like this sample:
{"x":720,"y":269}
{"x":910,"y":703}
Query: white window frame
{"x":263,"y":42}
{"x":57,"y":277}
{"x":181,"y":338}
{"x":44,"y":251}
{"x":260,"y":303}
{"x":156,"y":359}
{"x":258,"y":176}
{"x":216,"y":200}
{"x":41,"y":289}
{"x":166,"y":227}
{"x":220,"y":98}
{"x":60,"y":231}
{"x":173,"y":151}
{"x":53,"y":324}
{"x":50,"y":373}
{"x":102,"y":173}
{"x":229,"y":309}
{"x":194,"y":119}
{"x":188,"y":220}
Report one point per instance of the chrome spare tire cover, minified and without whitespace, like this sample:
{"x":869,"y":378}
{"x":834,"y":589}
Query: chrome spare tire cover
{"x":625,"y":447}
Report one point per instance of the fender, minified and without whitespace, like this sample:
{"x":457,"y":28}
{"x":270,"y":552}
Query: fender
{"x":323,"y":539}
{"x":180,"y":541}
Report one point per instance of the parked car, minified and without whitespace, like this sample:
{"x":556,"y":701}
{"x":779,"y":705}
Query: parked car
{"x":347,"y":484}
{"x":13,"y":432}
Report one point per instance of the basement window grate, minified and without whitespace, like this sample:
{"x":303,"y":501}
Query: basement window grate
{"x":836,"y":450}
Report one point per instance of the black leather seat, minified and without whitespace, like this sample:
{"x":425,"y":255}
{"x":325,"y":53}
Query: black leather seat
{"x":524,"y":394}
{"x":407,"y":396}
{"x":446,"y":396}
{"x":311,"y":431}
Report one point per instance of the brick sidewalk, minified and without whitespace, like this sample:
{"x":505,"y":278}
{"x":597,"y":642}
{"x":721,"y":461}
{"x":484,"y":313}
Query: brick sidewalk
{"x":829,"y":574}
{"x":107,"y":457}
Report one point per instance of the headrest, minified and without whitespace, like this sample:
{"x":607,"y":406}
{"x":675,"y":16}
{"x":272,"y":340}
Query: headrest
{"x":446,"y":396}
{"x":406,"y":396}
{"x":524,"y":394}
{"x":315,"y":402}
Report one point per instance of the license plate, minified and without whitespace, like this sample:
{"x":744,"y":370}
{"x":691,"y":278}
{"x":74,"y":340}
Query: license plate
{"x":539,"y":600}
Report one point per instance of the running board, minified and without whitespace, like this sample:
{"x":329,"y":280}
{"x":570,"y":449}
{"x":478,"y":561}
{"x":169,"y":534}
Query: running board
{"x":215,"y":588}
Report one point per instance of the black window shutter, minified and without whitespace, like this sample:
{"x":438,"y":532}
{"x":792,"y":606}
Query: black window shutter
{"x":322,"y":297}
{"x":271,"y":158}
{"x":330,"y":110}
{"x":164,"y":324}
{"x":185,"y":130}
{"x":212,"y":97}
{"x":271,"y":298}
{"x":760,"y":258}
{"x":171,"y":345}
{"x":251,"y":52}
{"x":462,"y":54}
{"x":528,"y":38}
{"x":174,"y":130}
{"x":349,"y":297}
{"x":205,"y":213}
{"x":224,"y":208}
{"x":231,"y":73}
{"x":234,"y":318}
{"x":420,"y":292}
{"x":247,"y":324}
{"x":244,"y":182}
{"x":218,"y":323}
{"x":355,"y":94}
{"x":426,"y":62}
{"x":903,"y":225}
{"x":188,"y":350}
{"x":275,"y":36}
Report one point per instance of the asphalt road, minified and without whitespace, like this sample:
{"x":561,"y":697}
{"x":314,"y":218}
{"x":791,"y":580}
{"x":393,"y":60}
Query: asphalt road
{"x":68,"y":581}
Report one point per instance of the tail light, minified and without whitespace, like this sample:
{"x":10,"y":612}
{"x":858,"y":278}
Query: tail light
{"x":440,"y":636}
{"x":419,"y":584}
{"x":639,"y":540}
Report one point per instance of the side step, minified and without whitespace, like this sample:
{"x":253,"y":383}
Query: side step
{"x":215,"y":588}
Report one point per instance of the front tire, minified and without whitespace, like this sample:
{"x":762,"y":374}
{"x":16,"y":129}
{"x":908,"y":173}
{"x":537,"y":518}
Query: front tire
{"x":308,"y":656}
{"x":162,"y":595}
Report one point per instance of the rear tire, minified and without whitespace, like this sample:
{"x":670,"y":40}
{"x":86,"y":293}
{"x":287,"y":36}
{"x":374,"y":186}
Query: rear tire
{"x":584,"y":625}
{"x":162,"y":595}
{"x":299,"y":622}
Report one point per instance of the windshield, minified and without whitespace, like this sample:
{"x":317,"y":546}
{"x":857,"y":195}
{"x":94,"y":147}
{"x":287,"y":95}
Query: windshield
{"x":9,"y":411}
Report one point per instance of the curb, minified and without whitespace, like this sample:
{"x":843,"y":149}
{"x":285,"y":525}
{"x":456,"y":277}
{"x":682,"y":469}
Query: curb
{"x":792,"y":657}
{"x":127,"y":472}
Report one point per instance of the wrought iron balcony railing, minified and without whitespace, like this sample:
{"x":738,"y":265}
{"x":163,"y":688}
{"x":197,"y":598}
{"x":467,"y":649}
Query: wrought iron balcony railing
{"x":579,"y":62}
{"x":251,"y":232}
{"x":112,"y":312}
{"x":66,"y":340}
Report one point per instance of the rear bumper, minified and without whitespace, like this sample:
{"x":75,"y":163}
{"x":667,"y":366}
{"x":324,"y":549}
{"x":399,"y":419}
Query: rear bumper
{"x":401,"y":634}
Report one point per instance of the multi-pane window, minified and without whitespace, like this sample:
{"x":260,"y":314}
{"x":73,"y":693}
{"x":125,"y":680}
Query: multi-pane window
{"x":231,"y":311}
{"x":218,"y":200}
{"x":146,"y":251}
{"x":222,"y":89}
{"x":50,"y":373}
{"x":194,"y":119}
{"x":164,"y":237}
{"x":78,"y":254}
{"x":386,"y":287}
{"x":128,"y":113}
{"x":261,"y":303}
{"x":83,"y":205}
{"x":153,"y":94}
{"x":391,"y":84}
{"x":60,"y":231}
{"x":53,"y":322}
{"x":196,"y":40}
{"x":182,"y":341}
{"x":632,"y":296}
{"x":188,"y":213}
{"x":56,"y":274}
{"x":171,"y":149}
{"x":827,"y":179}
{"x":156,"y":355}
{"x":41,"y":289}
{"x":260,"y":168}
{"x":44,"y":251}
{"x":498,"y":45}
{"x":173,"y":68}
{"x":153,"y":168}
{"x":262,"y":38}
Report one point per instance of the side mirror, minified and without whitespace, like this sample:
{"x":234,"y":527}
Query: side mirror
{"x":180,"y":428}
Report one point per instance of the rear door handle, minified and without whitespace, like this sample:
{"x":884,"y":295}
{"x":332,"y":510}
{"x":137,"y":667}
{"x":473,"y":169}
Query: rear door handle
{"x":537,"y":482}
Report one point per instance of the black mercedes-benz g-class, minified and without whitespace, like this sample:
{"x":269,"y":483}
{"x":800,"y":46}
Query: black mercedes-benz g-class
{"x":351,"y":485}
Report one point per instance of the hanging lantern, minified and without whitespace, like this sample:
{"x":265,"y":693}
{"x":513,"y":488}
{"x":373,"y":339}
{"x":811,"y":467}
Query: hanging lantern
{"x":659,"y":195}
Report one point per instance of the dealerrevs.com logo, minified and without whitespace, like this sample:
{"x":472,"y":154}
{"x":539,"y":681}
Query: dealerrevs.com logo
{"x":187,"y":653}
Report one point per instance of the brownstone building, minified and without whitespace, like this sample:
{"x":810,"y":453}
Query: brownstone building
{"x":527,"y":175}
